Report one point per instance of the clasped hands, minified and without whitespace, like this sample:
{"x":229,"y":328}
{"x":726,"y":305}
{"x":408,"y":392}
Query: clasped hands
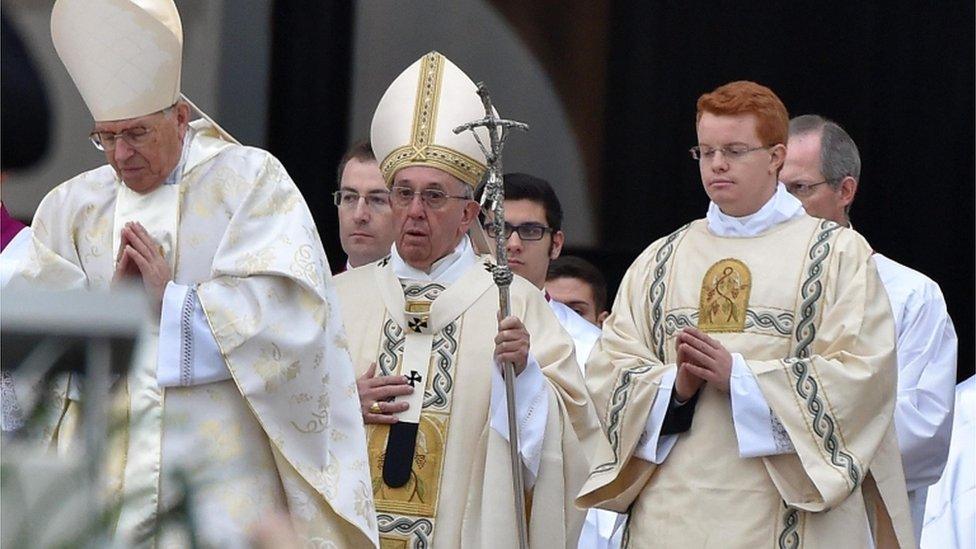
{"x":140,"y":255}
{"x":700,"y":359}
{"x":376,"y":393}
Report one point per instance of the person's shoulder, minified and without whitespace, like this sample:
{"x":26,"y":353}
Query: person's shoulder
{"x":918,"y":289}
{"x":889,"y":269}
{"x":661,"y":245}
{"x":355,"y":279}
{"x":100,"y":182}
{"x":831,"y":235}
{"x":572,"y":321}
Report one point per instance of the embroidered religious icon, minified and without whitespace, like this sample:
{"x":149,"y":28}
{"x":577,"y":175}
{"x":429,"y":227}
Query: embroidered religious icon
{"x":724,"y":297}
{"x":419,"y":495}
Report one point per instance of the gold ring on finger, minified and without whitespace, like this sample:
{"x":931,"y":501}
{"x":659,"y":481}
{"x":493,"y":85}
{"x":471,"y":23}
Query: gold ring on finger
{"x":374,"y":408}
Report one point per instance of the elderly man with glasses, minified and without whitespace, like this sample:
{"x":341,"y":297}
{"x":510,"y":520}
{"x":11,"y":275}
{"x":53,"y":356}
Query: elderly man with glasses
{"x":365,"y":217}
{"x":822,"y":169}
{"x":746,"y":375}
{"x":423,"y":328}
{"x":241,"y":402}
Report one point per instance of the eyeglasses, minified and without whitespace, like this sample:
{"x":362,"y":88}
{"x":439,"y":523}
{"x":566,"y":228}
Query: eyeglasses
{"x":803,"y":188}
{"x":434,"y":199}
{"x":377,"y":201}
{"x":729,"y":152}
{"x":135,"y":137}
{"x":526,"y":231}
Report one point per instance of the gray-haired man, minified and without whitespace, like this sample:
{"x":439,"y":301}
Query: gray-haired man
{"x":822,"y":169}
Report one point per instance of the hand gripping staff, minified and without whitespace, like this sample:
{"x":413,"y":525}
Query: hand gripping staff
{"x":494,"y":194}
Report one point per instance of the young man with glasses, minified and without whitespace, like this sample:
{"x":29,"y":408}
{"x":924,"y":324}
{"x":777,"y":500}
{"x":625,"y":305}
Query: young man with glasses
{"x":424,"y":331}
{"x":822,"y":169}
{"x":228,"y":405}
{"x":365,"y":217}
{"x":746,"y":374}
{"x":534,"y":237}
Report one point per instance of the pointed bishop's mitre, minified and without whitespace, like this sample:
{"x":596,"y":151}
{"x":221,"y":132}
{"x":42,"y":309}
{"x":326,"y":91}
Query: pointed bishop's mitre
{"x":414,"y":122}
{"x":124,"y":56}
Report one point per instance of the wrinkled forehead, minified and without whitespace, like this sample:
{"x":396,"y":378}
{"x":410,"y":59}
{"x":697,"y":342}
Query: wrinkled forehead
{"x":425,"y":177}
{"x":117,"y":126}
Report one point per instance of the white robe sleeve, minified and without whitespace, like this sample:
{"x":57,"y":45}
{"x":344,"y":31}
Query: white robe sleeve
{"x":652,"y":446}
{"x":757,"y":430}
{"x":532,"y":411}
{"x":927,"y":347}
{"x":188,"y":353}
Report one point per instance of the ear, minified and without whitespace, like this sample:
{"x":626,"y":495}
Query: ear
{"x":182,"y":117}
{"x":601,"y":317}
{"x":469,"y":215}
{"x":557,"y":244}
{"x":778,"y":154}
{"x":848,"y":188}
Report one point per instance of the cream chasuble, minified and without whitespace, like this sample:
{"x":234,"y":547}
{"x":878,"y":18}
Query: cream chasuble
{"x":459,"y":490}
{"x":802,"y":303}
{"x":284,"y":434}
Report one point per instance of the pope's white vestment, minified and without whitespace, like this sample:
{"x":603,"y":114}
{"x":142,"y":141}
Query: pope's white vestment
{"x":247,"y":398}
{"x":439,"y":328}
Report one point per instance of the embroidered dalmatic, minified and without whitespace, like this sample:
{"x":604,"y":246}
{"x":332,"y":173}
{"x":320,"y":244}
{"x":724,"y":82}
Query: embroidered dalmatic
{"x":803,"y":305}
{"x":283,"y":434}
{"x":459,"y":489}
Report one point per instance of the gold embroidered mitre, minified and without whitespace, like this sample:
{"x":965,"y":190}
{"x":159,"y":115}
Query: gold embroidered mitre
{"x":414,"y":122}
{"x":124,"y":56}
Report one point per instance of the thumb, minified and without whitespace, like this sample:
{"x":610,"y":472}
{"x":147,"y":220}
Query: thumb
{"x":371,"y":372}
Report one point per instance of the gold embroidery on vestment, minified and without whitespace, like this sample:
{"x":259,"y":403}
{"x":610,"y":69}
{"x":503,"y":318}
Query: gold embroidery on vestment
{"x":724,"y":297}
{"x":418,"y":497}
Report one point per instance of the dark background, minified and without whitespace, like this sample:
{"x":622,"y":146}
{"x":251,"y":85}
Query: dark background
{"x":899,"y":76}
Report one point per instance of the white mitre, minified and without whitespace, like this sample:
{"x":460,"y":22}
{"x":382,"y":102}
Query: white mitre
{"x":414,"y":126}
{"x":414,"y":122}
{"x":124,"y":56}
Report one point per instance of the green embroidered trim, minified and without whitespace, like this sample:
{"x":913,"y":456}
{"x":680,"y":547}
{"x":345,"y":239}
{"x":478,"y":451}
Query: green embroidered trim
{"x":806,"y":386}
{"x":756,"y":321}
{"x":657,"y":291}
{"x":621,"y":393}
{"x":419,"y":530}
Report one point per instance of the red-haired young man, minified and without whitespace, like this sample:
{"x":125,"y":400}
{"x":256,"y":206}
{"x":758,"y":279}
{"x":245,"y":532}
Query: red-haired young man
{"x":746,"y":375}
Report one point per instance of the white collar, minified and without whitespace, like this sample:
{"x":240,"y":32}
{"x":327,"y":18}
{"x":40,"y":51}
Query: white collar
{"x":445,"y":270}
{"x":177,"y":174}
{"x":782,"y":207}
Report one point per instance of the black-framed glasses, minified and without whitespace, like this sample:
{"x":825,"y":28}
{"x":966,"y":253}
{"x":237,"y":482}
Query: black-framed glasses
{"x":803,"y":188}
{"x":526,"y":231}
{"x":729,"y":152}
{"x":433,"y":199}
{"x":377,"y":201}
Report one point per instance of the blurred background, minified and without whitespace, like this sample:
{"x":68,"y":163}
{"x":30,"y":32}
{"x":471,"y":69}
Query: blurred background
{"x":609,"y":88}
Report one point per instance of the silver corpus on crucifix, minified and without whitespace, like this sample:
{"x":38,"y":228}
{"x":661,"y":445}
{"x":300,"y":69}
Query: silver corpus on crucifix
{"x":494,"y":196}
